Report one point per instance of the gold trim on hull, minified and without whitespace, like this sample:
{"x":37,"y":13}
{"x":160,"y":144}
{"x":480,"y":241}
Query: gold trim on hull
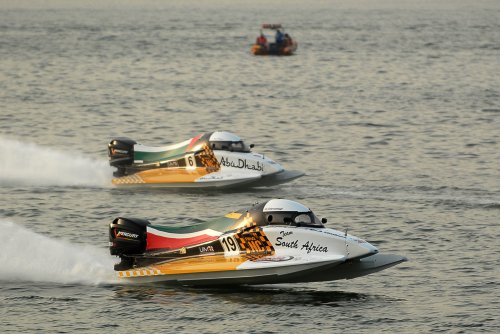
{"x":162,"y":175}
{"x":209,"y":263}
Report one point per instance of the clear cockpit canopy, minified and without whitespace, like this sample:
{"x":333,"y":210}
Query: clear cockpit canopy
{"x":286,"y":212}
{"x":232,"y":146}
{"x":293,"y":218}
{"x":227,"y":141}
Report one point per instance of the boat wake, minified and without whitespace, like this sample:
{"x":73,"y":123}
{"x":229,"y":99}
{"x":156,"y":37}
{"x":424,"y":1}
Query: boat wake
{"x":34,"y":165}
{"x":31,"y":257}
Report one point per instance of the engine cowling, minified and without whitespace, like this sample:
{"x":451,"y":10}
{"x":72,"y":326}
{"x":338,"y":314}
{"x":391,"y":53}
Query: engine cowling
{"x":121,"y":152}
{"x":127,"y":236}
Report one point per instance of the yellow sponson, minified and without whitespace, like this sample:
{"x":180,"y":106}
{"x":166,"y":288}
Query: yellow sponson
{"x":162,"y":175}
{"x":209,"y":263}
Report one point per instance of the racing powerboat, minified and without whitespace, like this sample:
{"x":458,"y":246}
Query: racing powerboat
{"x":278,"y":241}
{"x":279,"y":48}
{"x":215,"y":159}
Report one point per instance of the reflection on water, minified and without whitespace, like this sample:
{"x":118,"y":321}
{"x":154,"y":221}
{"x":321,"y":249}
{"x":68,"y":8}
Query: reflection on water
{"x":246,"y":295}
{"x":205,"y":192}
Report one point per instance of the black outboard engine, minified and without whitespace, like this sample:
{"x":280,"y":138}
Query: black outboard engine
{"x":127,"y":236}
{"x":121,"y":154}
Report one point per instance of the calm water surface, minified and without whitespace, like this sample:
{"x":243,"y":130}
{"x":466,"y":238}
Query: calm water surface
{"x":392,"y":108}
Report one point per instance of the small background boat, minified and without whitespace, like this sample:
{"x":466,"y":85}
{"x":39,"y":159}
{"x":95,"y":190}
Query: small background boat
{"x":287,"y":48}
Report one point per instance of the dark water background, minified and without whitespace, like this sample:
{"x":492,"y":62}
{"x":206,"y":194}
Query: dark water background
{"x":391,"y":107}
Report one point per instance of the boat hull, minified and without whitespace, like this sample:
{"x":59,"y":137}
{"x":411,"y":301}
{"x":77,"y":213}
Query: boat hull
{"x":210,"y":160}
{"x":310,"y":271}
{"x":259,"y":50}
{"x":166,"y":179}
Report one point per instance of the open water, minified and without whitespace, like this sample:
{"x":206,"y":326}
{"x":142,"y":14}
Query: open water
{"x":392,"y":108}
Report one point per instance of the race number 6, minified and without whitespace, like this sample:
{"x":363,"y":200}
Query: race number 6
{"x":190,"y":161}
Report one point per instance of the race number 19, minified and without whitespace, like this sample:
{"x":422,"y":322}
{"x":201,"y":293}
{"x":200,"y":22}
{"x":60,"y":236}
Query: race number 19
{"x":230,"y":246}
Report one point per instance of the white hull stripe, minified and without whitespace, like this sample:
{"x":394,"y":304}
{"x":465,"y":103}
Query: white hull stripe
{"x":159,"y":233}
{"x":143,"y":148}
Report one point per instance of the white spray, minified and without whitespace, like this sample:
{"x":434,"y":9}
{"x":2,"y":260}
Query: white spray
{"x":31,"y":164}
{"x":28,"y":256}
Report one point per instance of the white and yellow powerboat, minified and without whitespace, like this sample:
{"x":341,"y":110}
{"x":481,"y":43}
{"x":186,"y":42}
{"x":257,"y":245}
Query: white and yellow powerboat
{"x":278,"y":241}
{"x":216,"y":159}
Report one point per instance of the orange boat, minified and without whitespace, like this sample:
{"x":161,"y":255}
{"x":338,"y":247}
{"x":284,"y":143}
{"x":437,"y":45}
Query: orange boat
{"x":283,"y":44}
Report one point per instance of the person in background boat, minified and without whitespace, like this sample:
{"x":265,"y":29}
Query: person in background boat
{"x":261,"y":40}
{"x":287,"y":40}
{"x":279,"y":37}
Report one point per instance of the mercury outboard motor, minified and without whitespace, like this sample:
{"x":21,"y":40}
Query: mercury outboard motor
{"x":127,"y":236}
{"x":121,"y":154}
